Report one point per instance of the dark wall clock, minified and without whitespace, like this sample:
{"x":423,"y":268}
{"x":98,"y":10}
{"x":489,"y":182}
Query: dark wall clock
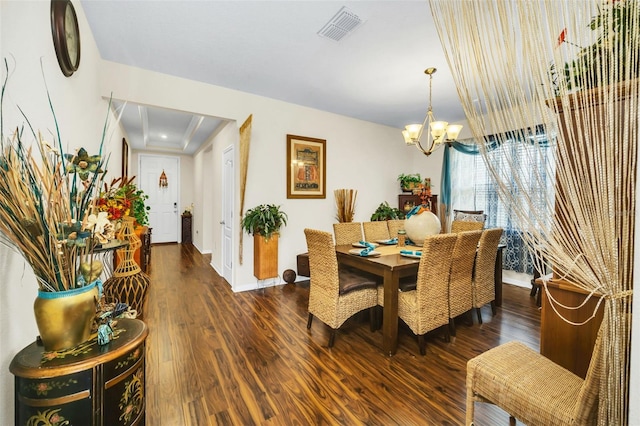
{"x":66,"y":35}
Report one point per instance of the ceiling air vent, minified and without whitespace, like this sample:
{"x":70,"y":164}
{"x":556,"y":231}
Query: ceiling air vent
{"x":343,"y":22}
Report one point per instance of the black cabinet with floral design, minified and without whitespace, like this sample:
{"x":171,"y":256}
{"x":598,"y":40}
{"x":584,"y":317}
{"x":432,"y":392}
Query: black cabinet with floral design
{"x":85,"y":385}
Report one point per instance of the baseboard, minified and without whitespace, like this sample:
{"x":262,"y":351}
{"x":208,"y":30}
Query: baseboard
{"x":516,"y":278}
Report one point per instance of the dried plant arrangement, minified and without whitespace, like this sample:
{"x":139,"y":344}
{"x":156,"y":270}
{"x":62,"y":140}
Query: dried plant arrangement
{"x":345,"y":204}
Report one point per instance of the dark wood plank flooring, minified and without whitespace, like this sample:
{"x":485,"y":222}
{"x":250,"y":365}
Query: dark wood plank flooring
{"x":218,"y":357}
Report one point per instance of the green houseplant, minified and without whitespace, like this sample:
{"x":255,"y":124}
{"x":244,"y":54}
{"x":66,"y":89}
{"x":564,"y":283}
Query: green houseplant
{"x":409,"y":181}
{"x":264,"y":223}
{"x":264,"y":220}
{"x":386,"y":212}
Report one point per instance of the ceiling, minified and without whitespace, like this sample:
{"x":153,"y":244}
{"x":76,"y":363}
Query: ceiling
{"x":273,"y":49}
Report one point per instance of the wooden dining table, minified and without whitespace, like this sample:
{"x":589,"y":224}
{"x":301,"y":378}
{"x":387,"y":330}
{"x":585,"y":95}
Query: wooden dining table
{"x":391,"y":266}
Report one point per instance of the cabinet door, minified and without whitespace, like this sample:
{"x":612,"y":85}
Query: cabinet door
{"x":124,"y":389}
{"x":52,"y":401}
{"x":565,"y":344}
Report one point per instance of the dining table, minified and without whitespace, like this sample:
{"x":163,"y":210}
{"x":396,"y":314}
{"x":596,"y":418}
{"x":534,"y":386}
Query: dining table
{"x":389,"y":264}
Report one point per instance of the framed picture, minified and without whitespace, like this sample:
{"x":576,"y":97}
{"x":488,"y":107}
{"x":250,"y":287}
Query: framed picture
{"x":125,"y":158}
{"x":306,"y":167}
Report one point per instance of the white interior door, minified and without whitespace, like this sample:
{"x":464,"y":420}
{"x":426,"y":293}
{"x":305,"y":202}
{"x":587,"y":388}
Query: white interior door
{"x":163,"y":201}
{"x":227,"y":214}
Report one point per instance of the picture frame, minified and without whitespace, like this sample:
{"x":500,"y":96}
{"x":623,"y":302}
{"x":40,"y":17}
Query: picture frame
{"x":125,"y":158}
{"x":306,"y":167}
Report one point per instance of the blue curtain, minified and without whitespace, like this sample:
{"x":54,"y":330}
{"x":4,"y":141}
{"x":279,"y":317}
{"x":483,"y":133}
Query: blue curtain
{"x":516,"y":255}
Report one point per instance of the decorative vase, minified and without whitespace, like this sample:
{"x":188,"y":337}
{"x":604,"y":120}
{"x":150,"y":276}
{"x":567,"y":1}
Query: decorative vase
{"x":64,"y":318}
{"x":421,"y":225}
{"x":128,"y":284}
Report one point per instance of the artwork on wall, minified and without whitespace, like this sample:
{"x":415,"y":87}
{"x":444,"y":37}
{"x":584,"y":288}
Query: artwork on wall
{"x":125,"y":157}
{"x":306,"y":167}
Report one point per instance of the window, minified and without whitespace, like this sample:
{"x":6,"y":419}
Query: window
{"x":527,"y":172}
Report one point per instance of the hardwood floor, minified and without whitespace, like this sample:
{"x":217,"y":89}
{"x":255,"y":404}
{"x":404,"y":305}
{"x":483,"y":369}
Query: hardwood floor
{"x":218,"y":357}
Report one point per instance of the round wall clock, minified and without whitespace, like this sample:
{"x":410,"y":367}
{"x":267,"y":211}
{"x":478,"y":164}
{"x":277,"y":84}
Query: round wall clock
{"x":66,"y":35}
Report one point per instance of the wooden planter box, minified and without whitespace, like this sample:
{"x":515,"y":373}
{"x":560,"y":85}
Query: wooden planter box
{"x":265,"y":257}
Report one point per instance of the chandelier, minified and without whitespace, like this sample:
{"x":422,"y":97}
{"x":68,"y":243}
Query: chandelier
{"x":440,"y":131}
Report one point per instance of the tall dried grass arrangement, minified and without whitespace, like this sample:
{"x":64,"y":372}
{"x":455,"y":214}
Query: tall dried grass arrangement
{"x":513,"y":72}
{"x":46,"y":201}
{"x":345,"y":204}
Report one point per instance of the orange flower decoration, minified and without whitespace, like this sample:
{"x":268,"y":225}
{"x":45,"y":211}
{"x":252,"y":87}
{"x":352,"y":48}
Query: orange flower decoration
{"x":562,"y":37}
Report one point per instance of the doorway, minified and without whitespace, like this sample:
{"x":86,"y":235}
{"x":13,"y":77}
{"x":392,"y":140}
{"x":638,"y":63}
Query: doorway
{"x":163,"y":200}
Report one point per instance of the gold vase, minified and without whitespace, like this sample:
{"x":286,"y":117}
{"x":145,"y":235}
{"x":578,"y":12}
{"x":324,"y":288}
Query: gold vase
{"x":64,"y":318}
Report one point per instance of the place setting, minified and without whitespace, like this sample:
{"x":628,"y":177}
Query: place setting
{"x":364,"y":249}
{"x":414,"y":254}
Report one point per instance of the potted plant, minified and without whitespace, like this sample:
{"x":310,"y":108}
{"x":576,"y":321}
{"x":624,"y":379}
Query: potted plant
{"x":123,"y":198}
{"x":264,"y":222}
{"x":617,"y":28}
{"x":48,"y":215}
{"x":410,"y":181}
{"x":386,"y":212}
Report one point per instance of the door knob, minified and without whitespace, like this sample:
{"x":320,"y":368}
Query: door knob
{"x":222,"y":222}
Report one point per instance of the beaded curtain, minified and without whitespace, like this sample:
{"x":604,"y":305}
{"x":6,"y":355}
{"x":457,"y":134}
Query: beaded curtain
{"x":572,"y":66}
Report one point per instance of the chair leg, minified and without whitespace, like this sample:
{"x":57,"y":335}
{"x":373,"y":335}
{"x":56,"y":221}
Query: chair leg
{"x":512,"y":421}
{"x":422,"y":345}
{"x":493,"y":308}
{"x":469,"y":316}
{"x":332,"y":337}
{"x":479,"y":313}
{"x":534,"y":288}
{"x":470,"y":407}
{"x":309,"y":320}
{"x":452,"y":327}
{"x":372,"y":318}
{"x":447,"y":334}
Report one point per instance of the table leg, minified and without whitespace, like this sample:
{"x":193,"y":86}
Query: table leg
{"x":390,"y":312}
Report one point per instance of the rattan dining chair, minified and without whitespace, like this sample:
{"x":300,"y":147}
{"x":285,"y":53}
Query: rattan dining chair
{"x":335,"y":295}
{"x":532,"y":388}
{"x":394,"y":226}
{"x":461,"y":276}
{"x":484,"y":286}
{"x":427,"y":307}
{"x":347,"y":232}
{"x":376,"y":230}
{"x":465,"y":226}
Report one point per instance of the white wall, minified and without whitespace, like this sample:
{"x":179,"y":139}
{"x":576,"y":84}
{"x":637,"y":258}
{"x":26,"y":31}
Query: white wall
{"x":360,"y":155}
{"x":25,"y":41}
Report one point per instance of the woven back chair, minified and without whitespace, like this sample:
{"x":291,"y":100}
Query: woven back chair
{"x":532,"y":388}
{"x":394,"y":226}
{"x":484,"y":286}
{"x":376,"y":230}
{"x":465,"y":226}
{"x":427,"y":307}
{"x":347,"y":232}
{"x":335,"y":295}
{"x":461,"y":276}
